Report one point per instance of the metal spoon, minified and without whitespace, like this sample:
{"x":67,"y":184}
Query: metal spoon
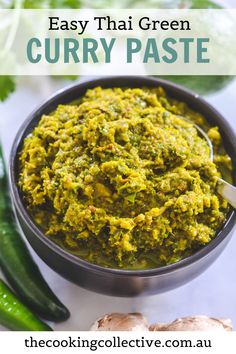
{"x":225,"y":189}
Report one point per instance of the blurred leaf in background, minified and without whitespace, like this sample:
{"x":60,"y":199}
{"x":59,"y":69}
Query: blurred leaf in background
{"x":7,"y":85}
{"x":203,"y":85}
{"x":204,"y":4}
{"x":65,"y":4}
{"x":51,"y":4}
{"x":34,"y":4}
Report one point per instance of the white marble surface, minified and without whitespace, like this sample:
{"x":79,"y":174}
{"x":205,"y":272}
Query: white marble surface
{"x":212,"y":293}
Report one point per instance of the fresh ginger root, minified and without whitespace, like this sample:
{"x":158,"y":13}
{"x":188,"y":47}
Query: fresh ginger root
{"x":121,"y":322}
{"x":194,"y":323}
{"x":137,"y":322}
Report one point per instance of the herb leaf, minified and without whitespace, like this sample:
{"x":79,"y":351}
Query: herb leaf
{"x":204,"y":4}
{"x":52,"y":4}
{"x":65,"y":4}
{"x":7,"y":85}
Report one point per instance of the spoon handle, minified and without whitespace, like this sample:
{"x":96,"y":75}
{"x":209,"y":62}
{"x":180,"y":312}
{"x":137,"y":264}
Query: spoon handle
{"x":227,"y":191}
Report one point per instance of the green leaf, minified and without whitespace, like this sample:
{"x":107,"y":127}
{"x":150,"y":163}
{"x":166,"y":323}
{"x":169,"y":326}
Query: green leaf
{"x":36,"y":4}
{"x":204,"y":4}
{"x":203,"y":85}
{"x":65,"y":4}
{"x":7,"y":85}
{"x":52,"y":4}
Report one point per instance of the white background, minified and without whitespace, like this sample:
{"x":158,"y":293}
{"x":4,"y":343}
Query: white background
{"x":213,"y":293}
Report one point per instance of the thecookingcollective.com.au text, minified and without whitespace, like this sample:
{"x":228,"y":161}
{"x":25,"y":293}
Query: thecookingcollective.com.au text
{"x":116,"y":342}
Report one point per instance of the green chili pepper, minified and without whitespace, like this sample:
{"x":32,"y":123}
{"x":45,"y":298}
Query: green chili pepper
{"x":15,"y":316}
{"x":18,"y":266}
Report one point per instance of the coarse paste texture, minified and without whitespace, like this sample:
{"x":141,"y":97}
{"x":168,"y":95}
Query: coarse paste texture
{"x":120,"y":179}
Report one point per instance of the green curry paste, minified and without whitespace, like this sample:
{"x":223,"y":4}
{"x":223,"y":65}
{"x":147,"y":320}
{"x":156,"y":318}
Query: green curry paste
{"x":121,"y":180}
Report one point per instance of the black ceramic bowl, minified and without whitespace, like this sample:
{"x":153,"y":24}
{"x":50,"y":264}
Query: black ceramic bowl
{"x":113,"y":281}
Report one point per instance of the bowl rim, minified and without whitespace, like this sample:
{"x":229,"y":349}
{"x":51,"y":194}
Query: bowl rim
{"x":22,"y":211}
